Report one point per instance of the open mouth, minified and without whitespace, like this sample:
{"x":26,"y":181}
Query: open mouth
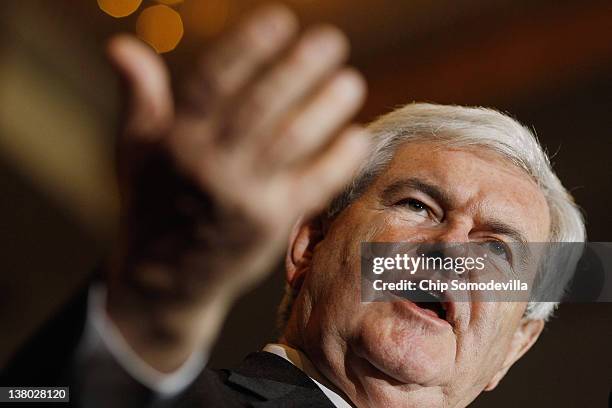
{"x":430,"y":302}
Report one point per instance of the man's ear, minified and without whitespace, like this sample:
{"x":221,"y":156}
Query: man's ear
{"x":524,"y":337}
{"x":305,"y":235}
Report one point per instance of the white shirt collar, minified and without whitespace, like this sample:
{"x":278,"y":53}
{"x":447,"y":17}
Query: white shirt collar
{"x":299,"y":360}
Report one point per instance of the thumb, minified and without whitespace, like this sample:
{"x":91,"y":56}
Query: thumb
{"x":150,"y":105}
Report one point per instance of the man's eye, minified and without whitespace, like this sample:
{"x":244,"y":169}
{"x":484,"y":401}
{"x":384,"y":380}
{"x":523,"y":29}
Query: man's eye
{"x":415,"y":205}
{"x":498,"y":248}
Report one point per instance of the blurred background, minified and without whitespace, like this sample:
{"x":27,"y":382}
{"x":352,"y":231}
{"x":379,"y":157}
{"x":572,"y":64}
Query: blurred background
{"x":548,"y":63}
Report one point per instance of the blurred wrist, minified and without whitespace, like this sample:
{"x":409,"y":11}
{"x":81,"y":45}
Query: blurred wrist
{"x":163,"y":328}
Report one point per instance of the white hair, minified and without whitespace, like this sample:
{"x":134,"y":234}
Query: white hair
{"x":465,"y":127}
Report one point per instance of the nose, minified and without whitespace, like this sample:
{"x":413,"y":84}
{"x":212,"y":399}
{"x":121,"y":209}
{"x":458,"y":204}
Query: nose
{"x":443,"y":250}
{"x":451,"y":240}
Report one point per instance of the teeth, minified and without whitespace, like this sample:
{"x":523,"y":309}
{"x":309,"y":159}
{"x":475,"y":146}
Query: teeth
{"x":437,"y":295}
{"x":434,"y":294}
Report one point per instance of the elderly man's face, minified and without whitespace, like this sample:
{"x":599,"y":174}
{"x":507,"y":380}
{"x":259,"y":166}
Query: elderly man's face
{"x":393,"y":354}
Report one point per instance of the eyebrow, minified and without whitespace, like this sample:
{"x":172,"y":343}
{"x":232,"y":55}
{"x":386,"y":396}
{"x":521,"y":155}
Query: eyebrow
{"x":443,"y":198}
{"x":500,"y":227}
{"x":413,"y":183}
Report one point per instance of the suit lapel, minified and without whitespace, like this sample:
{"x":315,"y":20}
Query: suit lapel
{"x":277,"y":382}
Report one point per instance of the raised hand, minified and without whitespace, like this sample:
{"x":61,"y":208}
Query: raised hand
{"x":214,"y":175}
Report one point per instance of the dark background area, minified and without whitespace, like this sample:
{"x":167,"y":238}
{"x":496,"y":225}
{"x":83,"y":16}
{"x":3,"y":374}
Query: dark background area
{"x":548,"y":63}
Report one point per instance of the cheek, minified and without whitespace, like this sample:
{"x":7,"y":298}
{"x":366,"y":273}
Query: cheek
{"x":398,"y":226}
{"x":336,"y":263}
{"x":483,"y":346}
{"x":333,"y":283}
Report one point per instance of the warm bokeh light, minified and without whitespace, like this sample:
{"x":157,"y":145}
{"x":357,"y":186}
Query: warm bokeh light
{"x":161,"y":27}
{"x":119,"y":8}
{"x":205,"y":18}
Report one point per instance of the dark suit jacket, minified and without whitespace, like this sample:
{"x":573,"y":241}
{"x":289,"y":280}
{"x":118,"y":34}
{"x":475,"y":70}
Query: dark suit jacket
{"x":262,"y":380}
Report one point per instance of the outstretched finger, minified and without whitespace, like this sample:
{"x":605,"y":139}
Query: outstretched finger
{"x":150,"y":109}
{"x":317,"y":123}
{"x":323,"y":178}
{"x":299,"y":74}
{"x":236,"y":57}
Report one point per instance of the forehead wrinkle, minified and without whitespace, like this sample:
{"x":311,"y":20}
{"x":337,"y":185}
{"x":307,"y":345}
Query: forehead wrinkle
{"x":458,"y":179}
{"x":501,"y":218}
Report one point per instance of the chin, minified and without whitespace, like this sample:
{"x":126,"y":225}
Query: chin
{"x":404,"y":350}
{"x":379,"y":393}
